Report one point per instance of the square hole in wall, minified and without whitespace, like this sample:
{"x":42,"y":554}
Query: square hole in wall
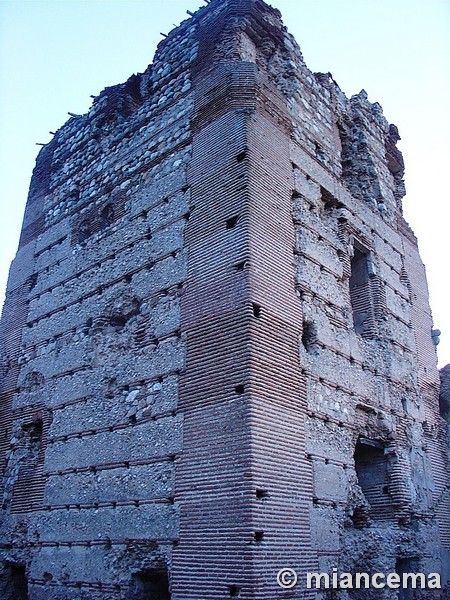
{"x":152,"y":584}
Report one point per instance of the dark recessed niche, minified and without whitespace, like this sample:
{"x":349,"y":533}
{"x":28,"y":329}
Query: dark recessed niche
{"x":84,"y":231}
{"x":32,"y":281}
{"x":118,"y":321}
{"x":106,"y":216}
{"x":309,"y":336}
{"x":372,"y":470}
{"x":153,"y":583}
{"x":241,"y":156}
{"x":241,"y":266}
{"x":319,"y":152}
{"x":256,"y":310}
{"x":261,"y":494}
{"x":17,"y":580}
{"x":258,"y":536}
{"x":234,"y":591}
{"x":232,"y":222}
{"x":239,"y":389}
{"x":362,"y":268}
{"x":329,"y":201}
{"x":405,"y":565}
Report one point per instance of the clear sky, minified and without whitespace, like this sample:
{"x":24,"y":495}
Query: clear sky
{"x":55,"y":53}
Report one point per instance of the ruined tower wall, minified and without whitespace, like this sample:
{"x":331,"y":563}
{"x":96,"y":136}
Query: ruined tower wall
{"x":381,"y":382}
{"x":96,"y":348}
{"x":242,"y":319}
{"x":218,"y":358}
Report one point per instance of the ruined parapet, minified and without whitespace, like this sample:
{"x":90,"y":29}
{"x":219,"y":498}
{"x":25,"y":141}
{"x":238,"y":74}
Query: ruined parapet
{"x":216,"y":338}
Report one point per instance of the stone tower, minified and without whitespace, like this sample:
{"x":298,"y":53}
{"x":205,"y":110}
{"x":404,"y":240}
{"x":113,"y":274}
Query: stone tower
{"x":217,"y":358}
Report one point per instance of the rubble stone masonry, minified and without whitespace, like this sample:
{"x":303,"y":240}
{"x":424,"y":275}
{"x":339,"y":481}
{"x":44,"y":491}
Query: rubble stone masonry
{"x":217,"y":357}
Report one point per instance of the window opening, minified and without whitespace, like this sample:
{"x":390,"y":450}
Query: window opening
{"x":360,"y":292}
{"x":17,"y":583}
{"x":373,"y":478}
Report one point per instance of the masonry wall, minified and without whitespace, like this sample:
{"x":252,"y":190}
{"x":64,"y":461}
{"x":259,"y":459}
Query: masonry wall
{"x":217,"y":355}
{"x":96,"y":349}
{"x":373,"y":384}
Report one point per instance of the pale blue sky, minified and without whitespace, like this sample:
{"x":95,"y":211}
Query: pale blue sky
{"x":55,"y":53}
